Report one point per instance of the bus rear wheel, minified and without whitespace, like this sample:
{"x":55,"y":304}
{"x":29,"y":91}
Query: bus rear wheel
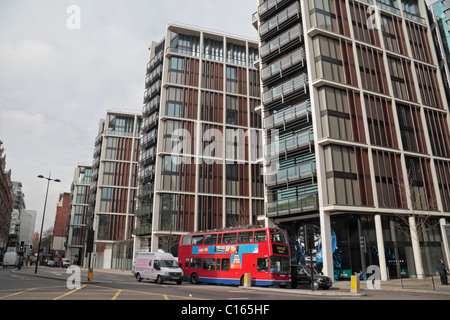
{"x":194,"y":278}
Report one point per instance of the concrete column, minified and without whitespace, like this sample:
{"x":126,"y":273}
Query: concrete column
{"x":381,"y":250}
{"x":327,"y":249}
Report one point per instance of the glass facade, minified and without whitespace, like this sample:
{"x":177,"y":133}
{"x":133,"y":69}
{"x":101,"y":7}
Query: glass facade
{"x":379,"y":126}
{"x":202,"y":175}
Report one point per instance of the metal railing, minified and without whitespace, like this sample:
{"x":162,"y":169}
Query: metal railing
{"x":424,"y":282}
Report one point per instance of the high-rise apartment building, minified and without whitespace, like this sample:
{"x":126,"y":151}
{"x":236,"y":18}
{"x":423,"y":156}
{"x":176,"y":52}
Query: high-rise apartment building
{"x":6,"y":199}
{"x":354,"y":88}
{"x":79,"y":205}
{"x":198,"y":159}
{"x":113,"y":189}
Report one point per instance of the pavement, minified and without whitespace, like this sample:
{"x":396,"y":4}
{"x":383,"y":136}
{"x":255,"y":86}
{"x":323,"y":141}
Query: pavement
{"x":339,"y":288}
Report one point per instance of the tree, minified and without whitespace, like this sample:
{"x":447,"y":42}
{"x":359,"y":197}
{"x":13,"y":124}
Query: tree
{"x":417,"y":221}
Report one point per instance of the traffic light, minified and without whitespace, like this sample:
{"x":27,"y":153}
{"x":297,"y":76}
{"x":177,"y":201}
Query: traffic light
{"x":22,"y":243}
{"x":309,"y":237}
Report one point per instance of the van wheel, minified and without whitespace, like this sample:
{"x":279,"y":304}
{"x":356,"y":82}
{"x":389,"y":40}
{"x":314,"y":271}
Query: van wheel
{"x":194,"y":278}
{"x":138,"y":277}
{"x":159,"y":280}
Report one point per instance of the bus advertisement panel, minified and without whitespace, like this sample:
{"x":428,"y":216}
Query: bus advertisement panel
{"x":225,"y":256}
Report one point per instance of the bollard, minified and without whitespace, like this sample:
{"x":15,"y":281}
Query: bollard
{"x":355,"y":284}
{"x":247,"y":280}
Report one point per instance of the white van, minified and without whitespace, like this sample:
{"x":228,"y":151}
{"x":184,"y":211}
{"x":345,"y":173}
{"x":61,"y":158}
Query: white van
{"x":158,"y":266}
{"x":10,"y":259}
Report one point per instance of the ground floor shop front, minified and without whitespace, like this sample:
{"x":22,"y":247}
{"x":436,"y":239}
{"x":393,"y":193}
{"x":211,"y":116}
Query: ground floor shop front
{"x":358,"y":241}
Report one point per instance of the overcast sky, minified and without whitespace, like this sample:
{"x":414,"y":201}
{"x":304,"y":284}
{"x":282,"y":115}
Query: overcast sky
{"x":56,"y":82}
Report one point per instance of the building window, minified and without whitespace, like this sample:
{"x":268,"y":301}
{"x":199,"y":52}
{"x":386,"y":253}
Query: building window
{"x":328,"y":59}
{"x":372,"y":70}
{"x":330,"y":15}
{"x":420,"y":183}
{"x":380,"y":121}
{"x":348,"y":176}
{"x":394,"y":39}
{"x":361,"y":30}
{"x":341,"y":114}
{"x":401,"y":78}
{"x":388,"y":178}
{"x":411,"y":128}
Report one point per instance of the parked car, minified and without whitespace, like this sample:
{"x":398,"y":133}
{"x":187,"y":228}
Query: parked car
{"x":51,"y":263}
{"x":301,"y":275}
{"x":65,"y":262}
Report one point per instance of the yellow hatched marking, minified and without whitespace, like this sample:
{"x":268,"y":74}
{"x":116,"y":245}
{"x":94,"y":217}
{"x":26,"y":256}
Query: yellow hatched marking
{"x":14,"y":294}
{"x":116,"y":295}
{"x":66,"y":294}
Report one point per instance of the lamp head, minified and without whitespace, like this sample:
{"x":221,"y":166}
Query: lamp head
{"x":41,"y":176}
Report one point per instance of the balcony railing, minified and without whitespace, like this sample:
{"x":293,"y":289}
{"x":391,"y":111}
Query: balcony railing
{"x":280,"y":67}
{"x":143,"y":230}
{"x":296,"y":112}
{"x":295,"y":86}
{"x":279,"y":20}
{"x":297,"y":205}
{"x":285,"y":40}
{"x":292,"y":174}
{"x":270,"y":6}
{"x":304,"y":139}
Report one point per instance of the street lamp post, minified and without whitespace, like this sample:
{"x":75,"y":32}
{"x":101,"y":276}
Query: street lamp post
{"x":43,"y":215}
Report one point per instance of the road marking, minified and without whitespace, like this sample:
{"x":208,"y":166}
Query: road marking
{"x":166,"y":297}
{"x":13,"y":294}
{"x":66,"y":294}
{"x":116,"y":295}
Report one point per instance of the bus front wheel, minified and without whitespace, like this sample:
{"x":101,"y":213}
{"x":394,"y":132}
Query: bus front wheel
{"x":194,"y":278}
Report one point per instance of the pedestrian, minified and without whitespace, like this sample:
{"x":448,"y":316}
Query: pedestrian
{"x":442,"y":270}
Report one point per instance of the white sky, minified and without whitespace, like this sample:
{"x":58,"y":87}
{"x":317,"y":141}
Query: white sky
{"x":56,"y":83}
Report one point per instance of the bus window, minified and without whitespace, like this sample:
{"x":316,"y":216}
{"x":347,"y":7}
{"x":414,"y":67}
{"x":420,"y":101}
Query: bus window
{"x":260,"y":236}
{"x":245,"y":237}
{"x":229,"y":238}
{"x":262,"y":265}
{"x":218,"y":264}
{"x":278,"y":236}
{"x":187,"y":264}
{"x":209,"y":264}
{"x":219,"y":238}
{"x":210,"y":239}
{"x":225,"y":264}
{"x":197,"y":240}
{"x":186,"y":241}
{"x":196,"y":263}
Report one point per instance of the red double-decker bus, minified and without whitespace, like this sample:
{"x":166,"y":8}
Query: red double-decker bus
{"x":225,"y":256}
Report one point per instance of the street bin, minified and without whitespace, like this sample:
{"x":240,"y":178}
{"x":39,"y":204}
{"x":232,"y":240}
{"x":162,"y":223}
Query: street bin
{"x":355,"y":285}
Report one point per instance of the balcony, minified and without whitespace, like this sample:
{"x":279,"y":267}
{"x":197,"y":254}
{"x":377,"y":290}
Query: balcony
{"x":300,"y":143}
{"x":303,"y":172}
{"x":303,"y":204}
{"x":143,"y":230}
{"x":152,"y":91}
{"x":150,"y":123}
{"x":297,"y":115}
{"x":282,"y":43}
{"x":279,"y":22}
{"x":154,"y":75}
{"x":284,"y":67}
{"x":282,"y":93}
{"x":270,"y":7}
{"x":147,"y":157}
{"x":151,"y":106}
{"x":145,"y":211}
